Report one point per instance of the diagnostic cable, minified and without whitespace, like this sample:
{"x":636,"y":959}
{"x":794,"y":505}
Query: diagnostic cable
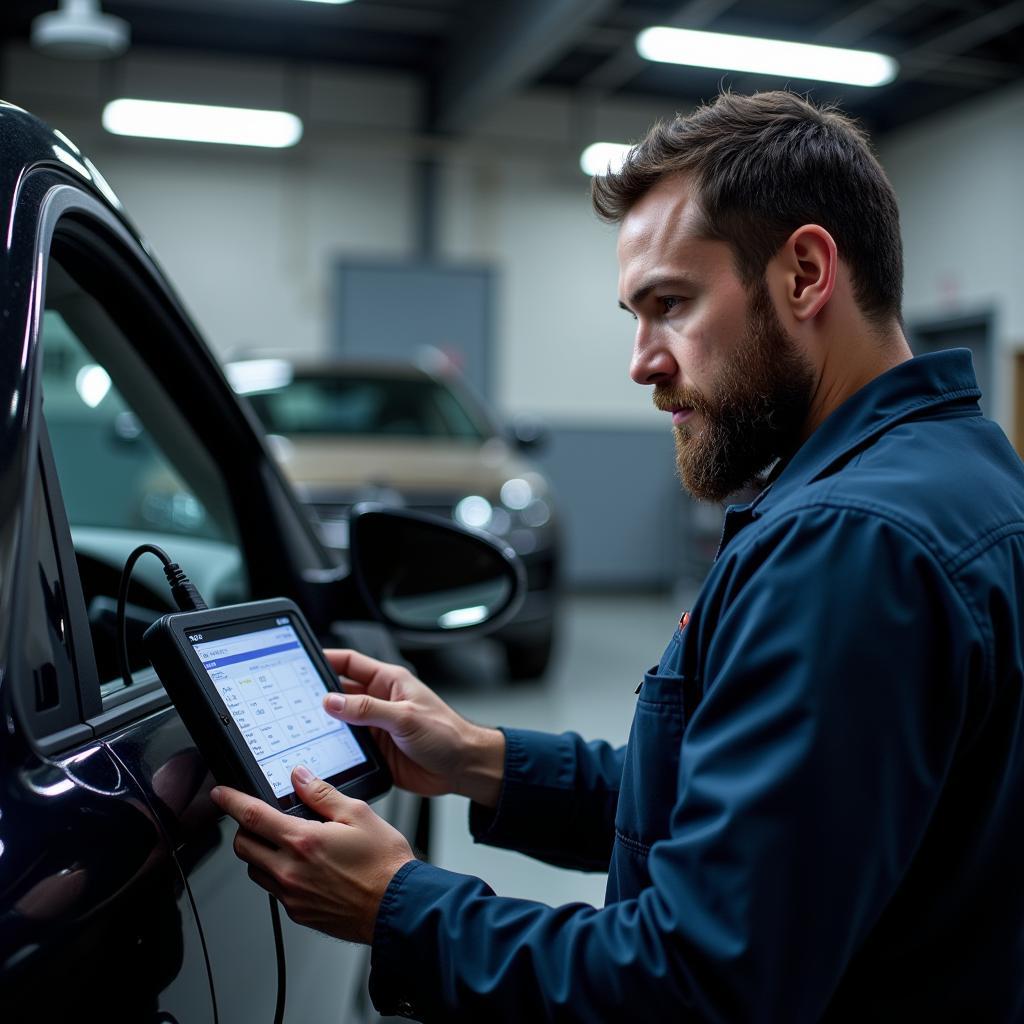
{"x":187,"y":599}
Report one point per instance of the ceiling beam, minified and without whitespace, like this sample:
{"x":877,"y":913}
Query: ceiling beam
{"x":938,"y":59}
{"x":860,"y":20}
{"x":393,"y":17}
{"x":511,"y":42}
{"x":943,"y":48}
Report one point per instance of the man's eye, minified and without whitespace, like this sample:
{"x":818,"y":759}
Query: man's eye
{"x":669,"y":302}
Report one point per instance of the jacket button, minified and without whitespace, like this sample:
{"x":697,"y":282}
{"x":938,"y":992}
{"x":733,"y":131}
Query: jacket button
{"x":404,"y":1008}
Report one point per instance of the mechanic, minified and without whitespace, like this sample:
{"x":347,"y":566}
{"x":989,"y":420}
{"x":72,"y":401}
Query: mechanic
{"x":818,"y":812}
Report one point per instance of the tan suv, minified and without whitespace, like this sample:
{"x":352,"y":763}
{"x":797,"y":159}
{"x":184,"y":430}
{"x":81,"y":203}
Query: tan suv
{"x":402,"y":434}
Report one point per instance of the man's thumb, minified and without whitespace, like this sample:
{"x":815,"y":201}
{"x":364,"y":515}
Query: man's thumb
{"x":321,"y":796}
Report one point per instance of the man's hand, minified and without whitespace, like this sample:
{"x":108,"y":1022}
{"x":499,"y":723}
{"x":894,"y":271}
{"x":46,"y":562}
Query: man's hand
{"x":329,"y":875}
{"x":429,"y":748}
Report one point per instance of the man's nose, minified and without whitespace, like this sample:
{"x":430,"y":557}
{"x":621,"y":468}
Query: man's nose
{"x":652,"y":362}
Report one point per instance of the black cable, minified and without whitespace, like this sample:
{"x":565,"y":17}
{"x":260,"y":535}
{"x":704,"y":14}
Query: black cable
{"x":184,"y":592}
{"x":275,"y":915}
{"x":188,"y":599}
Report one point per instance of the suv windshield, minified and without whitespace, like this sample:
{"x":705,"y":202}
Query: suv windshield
{"x":363,"y":405}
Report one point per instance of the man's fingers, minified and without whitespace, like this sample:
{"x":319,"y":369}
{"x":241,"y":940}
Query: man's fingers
{"x":252,"y":814}
{"x":255,"y":852}
{"x":360,"y":667}
{"x":268,"y":882}
{"x":362,"y":709}
{"x":322,"y":797}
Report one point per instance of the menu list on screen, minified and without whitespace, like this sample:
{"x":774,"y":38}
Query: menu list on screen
{"x":274,"y":693}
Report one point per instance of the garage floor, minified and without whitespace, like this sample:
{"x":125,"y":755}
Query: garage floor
{"x":608,"y":642}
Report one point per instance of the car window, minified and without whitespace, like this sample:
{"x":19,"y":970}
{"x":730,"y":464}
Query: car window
{"x":131,"y":470}
{"x":384,"y":406}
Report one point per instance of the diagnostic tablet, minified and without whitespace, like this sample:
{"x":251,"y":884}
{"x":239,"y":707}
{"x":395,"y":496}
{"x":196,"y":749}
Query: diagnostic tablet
{"x":248,"y":681}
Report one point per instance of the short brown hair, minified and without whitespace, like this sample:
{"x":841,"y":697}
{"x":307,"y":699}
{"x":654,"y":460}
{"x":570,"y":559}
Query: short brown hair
{"x":763,"y":165}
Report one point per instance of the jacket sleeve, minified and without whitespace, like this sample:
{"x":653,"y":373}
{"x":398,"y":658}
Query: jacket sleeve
{"x":557,"y":802}
{"x":835,"y":689}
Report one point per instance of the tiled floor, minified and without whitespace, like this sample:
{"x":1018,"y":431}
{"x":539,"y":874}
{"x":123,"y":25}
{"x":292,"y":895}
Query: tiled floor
{"x":608,"y":642}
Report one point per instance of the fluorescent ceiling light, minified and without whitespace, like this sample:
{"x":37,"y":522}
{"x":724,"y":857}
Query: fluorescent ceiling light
{"x":766,"y":56}
{"x":329,"y":1}
{"x":603,"y":157}
{"x":191,"y":122}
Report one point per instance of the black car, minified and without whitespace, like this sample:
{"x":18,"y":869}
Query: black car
{"x":120,"y":896}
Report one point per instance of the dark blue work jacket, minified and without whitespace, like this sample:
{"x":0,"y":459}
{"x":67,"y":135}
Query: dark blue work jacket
{"x":820,"y":811}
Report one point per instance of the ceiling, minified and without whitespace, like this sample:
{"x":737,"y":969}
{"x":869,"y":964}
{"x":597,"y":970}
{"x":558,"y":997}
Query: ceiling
{"x":471,"y":55}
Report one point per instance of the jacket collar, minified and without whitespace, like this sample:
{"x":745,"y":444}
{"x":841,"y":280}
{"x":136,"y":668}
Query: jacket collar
{"x":924,"y":382}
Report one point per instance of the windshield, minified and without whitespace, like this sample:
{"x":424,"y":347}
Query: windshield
{"x":365,"y":406}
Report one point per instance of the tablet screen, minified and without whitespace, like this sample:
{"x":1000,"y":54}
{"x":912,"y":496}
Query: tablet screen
{"x":275,"y":695}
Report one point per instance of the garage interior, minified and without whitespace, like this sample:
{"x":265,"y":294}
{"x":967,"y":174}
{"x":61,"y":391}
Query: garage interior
{"x":443,"y":137}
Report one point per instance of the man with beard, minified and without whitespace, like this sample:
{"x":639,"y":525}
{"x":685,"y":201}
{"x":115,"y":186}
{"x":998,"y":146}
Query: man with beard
{"x":817,"y":815}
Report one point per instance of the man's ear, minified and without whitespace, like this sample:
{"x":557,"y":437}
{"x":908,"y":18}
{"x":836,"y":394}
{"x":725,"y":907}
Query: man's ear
{"x":807,"y":264}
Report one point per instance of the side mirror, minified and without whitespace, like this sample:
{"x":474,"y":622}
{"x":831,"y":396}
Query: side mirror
{"x":423,"y":574}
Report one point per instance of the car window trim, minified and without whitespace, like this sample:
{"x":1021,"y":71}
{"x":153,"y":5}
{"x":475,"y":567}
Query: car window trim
{"x":310,"y":566}
{"x":91,"y":225}
{"x":99,"y":715}
{"x":50,"y":518}
{"x":60,"y":201}
{"x":82,"y":654}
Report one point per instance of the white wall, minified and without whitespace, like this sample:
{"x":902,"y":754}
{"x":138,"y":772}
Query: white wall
{"x":959,"y":179}
{"x":249,"y":235}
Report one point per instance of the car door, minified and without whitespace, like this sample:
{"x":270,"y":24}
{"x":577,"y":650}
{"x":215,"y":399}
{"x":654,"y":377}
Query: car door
{"x":141,"y":441}
{"x":94,"y":912}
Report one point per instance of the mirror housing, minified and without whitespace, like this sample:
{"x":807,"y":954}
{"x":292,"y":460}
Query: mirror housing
{"x":421,"y":574}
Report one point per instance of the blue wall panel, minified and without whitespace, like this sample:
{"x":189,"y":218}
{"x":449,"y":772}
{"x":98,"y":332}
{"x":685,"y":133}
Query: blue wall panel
{"x":626,"y":520}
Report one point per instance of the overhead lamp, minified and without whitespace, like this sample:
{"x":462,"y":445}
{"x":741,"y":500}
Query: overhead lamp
{"x":766,"y":56}
{"x":329,"y":1}
{"x":603,"y":157}
{"x":193,"y":122}
{"x":79,"y":30}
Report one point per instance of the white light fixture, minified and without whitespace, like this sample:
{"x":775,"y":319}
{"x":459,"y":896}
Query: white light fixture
{"x":336,"y":2}
{"x":192,"y":122}
{"x":79,"y":30}
{"x":766,"y":56}
{"x":601,"y":158}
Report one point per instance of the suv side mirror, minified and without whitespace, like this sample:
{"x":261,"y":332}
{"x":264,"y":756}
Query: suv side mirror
{"x":423,"y":574}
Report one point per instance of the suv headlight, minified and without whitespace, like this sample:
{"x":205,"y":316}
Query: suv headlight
{"x":519,"y":516}
{"x":474,"y":511}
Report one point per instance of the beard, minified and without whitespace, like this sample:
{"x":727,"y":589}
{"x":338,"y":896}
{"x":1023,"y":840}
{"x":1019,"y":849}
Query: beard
{"x":754,"y":413}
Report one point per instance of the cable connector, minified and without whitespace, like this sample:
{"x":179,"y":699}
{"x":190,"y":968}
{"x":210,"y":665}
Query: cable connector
{"x":183,"y":590}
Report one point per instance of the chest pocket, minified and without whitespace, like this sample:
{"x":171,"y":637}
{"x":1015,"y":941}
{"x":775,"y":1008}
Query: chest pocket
{"x":650,"y":779}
